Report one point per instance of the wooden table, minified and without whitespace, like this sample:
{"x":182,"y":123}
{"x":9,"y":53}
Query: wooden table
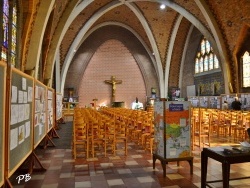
{"x":217,"y":154}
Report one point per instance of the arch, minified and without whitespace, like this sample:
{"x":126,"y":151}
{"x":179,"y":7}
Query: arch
{"x":101,"y":34}
{"x":68,"y":17}
{"x":37,"y":35}
{"x":66,"y":22}
{"x":88,"y":25}
{"x":170,"y":50}
{"x":184,"y":57}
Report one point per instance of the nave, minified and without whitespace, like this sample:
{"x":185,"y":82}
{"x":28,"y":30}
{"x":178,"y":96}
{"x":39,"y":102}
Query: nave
{"x":133,"y":170}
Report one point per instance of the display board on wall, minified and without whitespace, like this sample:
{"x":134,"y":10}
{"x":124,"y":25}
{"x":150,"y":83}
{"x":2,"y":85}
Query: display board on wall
{"x":2,"y":119}
{"x":229,"y":98}
{"x":20,"y":138}
{"x":205,"y":101}
{"x":173,"y":139}
{"x":59,"y":106}
{"x":245,"y":101}
{"x":50,"y":108}
{"x":40,"y":116}
{"x":195,"y":101}
{"x":215,"y":102}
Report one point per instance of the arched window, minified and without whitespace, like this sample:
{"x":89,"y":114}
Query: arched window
{"x":245,"y":69}
{"x":9,"y":36}
{"x":205,"y":59}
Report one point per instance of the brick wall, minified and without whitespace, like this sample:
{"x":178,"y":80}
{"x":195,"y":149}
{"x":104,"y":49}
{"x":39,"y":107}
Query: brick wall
{"x":112,"y":58}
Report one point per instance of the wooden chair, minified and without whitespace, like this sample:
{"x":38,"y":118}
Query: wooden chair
{"x":239,"y":131}
{"x":224,"y":124}
{"x":80,"y":140}
{"x":120,"y":139}
{"x":147,"y":131}
{"x":215,"y":122}
{"x":201,"y":130}
{"x":96,"y":139}
{"x":149,"y":142}
{"x":110,"y":137}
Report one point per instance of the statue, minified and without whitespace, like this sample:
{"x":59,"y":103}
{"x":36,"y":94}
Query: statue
{"x":113,"y":81}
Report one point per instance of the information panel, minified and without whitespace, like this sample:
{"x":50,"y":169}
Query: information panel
{"x":50,"y":108}
{"x":172,"y":129}
{"x":178,"y":139}
{"x":20,"y":130}
{"x":59,"y":106}
{"x":2,"y":118}
{"x":40,"y":112}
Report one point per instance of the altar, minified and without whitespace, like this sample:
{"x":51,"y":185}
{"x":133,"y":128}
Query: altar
{"x":137,"y":106}
{"x":118,"y":104}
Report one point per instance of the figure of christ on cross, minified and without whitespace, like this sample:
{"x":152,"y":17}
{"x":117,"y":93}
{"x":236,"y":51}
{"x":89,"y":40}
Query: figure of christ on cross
{"x":113,"y":82}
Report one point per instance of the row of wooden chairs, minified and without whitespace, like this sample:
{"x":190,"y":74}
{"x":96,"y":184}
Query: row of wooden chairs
{"x":219,"y":123}
{"x":95,"y":133}
{"x":140,"y":127}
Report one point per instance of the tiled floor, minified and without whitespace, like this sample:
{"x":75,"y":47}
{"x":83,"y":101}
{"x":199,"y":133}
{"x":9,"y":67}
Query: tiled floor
{"x":134,"y":170}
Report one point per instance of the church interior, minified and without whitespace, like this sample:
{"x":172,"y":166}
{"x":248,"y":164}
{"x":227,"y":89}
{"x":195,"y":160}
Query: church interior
{"x":125,"y":93}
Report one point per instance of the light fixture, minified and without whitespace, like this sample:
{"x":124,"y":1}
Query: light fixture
{"x":162,"y":6}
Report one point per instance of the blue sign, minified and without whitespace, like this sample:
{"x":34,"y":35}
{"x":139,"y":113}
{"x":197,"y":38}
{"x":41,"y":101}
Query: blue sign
{"x":175,"y":107}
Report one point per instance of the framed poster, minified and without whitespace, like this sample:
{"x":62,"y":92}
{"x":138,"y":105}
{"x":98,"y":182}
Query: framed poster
{"x":50,"y":108}
{"x":59,"y":106}
{"x":40,"y":113}
{"x":215,"y":102}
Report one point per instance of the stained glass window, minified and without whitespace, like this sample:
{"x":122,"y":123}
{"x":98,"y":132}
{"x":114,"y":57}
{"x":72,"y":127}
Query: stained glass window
{"x":14,"y":35}
{"x":203,"y":47}
{"x":207,"y":59}
{"x":9,"y":25}
{"x":216,"y":62}
{"x":211,"y":61}
{"x":5,"y":29}
{"x":201,"y":64}
{"x":208,"y":47}
{"x":245,"y":69}
{"x":206,"y":63}
{"x":196,"y":65}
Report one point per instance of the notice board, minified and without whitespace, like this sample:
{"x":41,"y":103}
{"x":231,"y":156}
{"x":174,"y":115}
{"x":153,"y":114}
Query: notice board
{"x":59,"y":106}
{"x":50,"y":108}
{"x":20,"y":129}
{"x":2,"y":118}
{"x":40,"y":116}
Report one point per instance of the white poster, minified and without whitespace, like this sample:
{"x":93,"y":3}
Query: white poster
{"x":24,"y":84}
{"x":27,"y":129}
{"x":14,"y":114}
{"x":13,"y":94}
{"x":20,"y":96}
{"x":30,"y":94}
{"x":13,"y":138}
{"x":21,"y":134}
{"x":21,"y":113}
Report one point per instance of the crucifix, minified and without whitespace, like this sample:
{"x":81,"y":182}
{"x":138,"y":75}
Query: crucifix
{"x":113,"y":82}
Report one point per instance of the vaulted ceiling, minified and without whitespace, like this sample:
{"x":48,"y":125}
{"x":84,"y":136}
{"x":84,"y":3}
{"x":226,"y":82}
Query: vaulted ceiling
{"x":67,"y":23}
